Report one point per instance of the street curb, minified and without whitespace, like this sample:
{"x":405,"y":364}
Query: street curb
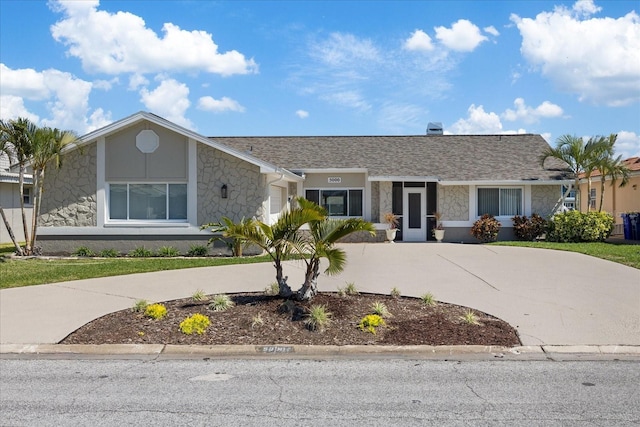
{"x":306,"y":350}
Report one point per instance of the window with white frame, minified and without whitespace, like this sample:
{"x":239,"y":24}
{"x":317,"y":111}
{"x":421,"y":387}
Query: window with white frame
{"x":343,"y":202}
{"x":500,"y":201}
{"x":26,"y":195}
{"x":148,"y":202}
{"x":592,"y":199}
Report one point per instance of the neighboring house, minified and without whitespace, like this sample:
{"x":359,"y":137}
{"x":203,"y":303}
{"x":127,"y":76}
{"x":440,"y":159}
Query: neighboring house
{"x":10,"y":201}
{"x":617,"y":200}
{"x":146,"y":181}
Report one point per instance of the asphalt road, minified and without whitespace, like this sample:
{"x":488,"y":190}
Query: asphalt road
{"x":318,"y":392}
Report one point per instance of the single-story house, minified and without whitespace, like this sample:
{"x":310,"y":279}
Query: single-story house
{"x":144,"y":180}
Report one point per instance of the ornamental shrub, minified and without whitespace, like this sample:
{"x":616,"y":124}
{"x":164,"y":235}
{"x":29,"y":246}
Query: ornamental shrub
{"x":529,"y":229}
{"x":197,"y":323}
{"x":370,"y":322}
{"x":155,"y":311}
{"x":486,"y":228}
{"x":575,"y":226}
{"x":84,"y":251}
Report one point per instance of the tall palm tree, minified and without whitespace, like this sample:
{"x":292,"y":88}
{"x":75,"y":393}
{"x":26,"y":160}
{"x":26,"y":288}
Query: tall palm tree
{"x":17,"y":134}
{"x":324,"y":234}
{"x":611,"y":167}
{"x":577,"y":155}
{"x":47,"y":144}
{"x":6,"y":150}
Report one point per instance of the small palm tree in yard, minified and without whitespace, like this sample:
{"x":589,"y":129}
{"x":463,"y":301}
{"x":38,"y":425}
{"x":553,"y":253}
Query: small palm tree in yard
{"x":324,"y":234}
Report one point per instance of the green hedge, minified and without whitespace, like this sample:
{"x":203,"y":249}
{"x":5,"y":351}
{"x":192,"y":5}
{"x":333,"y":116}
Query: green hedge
{"x":575,"y":226}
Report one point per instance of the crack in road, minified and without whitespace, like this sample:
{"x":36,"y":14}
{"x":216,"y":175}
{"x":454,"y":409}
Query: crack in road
{"x":467,"y":271}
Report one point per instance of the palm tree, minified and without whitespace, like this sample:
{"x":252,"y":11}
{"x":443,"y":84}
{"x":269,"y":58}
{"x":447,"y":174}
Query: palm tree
{"x":611,"y":167}
{"x":227,"y":227}
{"x":324,"y":234}
{"x":47,"y":146}
{"x":278,"y":240}
{"x":6,"y":150}
{"x":17,"y":134}
{"x":577,"y":155}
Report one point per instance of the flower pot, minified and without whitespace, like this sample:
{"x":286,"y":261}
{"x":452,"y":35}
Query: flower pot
{"x":439,"y":235}
{"x":391,"y":234}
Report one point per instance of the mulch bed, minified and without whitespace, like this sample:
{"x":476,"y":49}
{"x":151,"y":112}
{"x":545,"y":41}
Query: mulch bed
{"x":411,"y":323}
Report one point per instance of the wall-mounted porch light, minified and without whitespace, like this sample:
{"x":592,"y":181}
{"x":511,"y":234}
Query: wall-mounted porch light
{"x":223,"y":191}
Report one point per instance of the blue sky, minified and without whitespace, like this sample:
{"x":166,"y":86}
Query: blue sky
{"x":327,"y":67}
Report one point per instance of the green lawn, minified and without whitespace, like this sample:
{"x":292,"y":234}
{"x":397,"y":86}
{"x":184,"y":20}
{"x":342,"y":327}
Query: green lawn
{"x":620,"y":253}
{"x":25,"y":272}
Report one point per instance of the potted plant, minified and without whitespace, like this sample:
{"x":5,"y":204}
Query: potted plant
{"x":391,"y":219}
{"x":438,"y":230}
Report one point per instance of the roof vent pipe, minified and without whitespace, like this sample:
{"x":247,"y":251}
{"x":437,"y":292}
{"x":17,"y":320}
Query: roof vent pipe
{"x":434,"y":128}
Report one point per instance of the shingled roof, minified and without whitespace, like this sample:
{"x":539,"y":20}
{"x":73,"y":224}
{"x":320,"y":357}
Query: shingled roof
{"x":445,"y":157}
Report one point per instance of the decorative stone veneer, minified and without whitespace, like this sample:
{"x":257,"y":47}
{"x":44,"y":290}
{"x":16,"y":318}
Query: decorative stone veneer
{"x":453,"y":202}
{"x":386,"y":190}
{"x":375,"y":201}
{"x":70,"y":192}
{"x":245,"y":186}
{"x":544,"y":198}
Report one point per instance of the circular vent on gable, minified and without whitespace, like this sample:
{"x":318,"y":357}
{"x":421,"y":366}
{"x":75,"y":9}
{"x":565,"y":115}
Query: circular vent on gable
{"x":147,"y":141}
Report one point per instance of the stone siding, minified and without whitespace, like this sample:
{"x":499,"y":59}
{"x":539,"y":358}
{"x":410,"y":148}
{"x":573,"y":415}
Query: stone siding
{"x":375,"y":201}
{"x":453,"y":202}
{"x":544,"y":198}
{"x":245,"y":186}
{"x":70,"y":192}
{"x":386,"y":191}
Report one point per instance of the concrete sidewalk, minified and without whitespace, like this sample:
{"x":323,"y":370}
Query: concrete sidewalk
{"x":551,"y":297}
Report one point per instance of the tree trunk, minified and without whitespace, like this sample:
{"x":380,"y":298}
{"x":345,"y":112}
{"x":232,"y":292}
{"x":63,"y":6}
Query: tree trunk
{"x":601,"y":192}
{"x":309,"y":288}
{"x":25,"y":226}
{"x":13,"y":238}
{"x":284,"y":289}
{"x":37,"y":198}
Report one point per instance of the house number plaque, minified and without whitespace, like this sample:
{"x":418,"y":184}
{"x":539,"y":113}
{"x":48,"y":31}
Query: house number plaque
{"x":334,"y":180}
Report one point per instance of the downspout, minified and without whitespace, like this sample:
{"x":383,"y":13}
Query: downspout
{"x":266,"y":207}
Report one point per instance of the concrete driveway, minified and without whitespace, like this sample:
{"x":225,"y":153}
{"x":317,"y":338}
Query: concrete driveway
{"x":551,"y":297}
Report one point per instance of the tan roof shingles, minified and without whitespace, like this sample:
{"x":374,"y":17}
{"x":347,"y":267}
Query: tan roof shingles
{"x":447,"y":157}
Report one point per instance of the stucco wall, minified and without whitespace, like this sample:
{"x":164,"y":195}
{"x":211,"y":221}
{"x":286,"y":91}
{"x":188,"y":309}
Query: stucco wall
{"x":10,"y":202}
{"x":245,"y":186}
{"x":70,"y":192}
{"x":453,"y":202}
{"x":544,"y":198}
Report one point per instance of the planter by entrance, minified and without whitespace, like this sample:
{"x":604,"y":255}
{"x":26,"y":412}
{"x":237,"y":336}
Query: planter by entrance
{"x":439,"y":235}
{"x":391,"y":234}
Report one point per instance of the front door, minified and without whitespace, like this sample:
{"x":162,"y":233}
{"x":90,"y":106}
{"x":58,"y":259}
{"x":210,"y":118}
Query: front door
{"x":414,"y":221}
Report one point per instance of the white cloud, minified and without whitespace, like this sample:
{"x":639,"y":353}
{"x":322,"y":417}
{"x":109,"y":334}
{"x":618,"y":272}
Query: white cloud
{"x":343,"y":49}
{"x":12,"y":107}
{"x":105,"y":84}
{"x":529,"y":114}
{"x":596,"y":58}
{"x":419,"y":41}
{"x":136,"y":80}
{"x":349,"y":98}
{"x":302,"y":114}
{"x":114,"y":43}
{"x":169,"y":100}
{"x":65,"y":96}
{"x":628,"y":144}
{"x":491,"y":30}
{"x":207,"y":103}
{"x":463,"y":36}
{"x":477,"y":122}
